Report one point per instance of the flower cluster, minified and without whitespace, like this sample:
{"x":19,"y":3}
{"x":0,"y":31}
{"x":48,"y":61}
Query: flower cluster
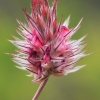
{"x":45,"y":47}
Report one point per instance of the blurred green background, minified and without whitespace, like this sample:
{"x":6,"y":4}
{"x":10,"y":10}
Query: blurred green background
{"x":81,"y":85}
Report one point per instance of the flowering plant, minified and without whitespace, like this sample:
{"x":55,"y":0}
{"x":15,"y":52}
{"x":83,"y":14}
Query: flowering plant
{"x":45,"y":48}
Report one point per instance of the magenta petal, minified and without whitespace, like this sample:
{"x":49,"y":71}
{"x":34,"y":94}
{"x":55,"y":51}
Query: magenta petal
{"x":45,"y":48}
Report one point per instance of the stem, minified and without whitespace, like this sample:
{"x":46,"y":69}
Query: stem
{"x":40,"y":89}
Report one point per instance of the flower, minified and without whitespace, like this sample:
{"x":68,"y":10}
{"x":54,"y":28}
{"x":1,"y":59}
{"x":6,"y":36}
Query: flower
{"x":45,"y":47}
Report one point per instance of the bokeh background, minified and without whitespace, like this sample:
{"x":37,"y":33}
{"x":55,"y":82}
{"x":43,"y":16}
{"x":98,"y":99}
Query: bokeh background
{"x":81,"y":85}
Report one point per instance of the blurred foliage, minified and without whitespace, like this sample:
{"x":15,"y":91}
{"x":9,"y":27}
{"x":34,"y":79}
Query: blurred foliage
{"x":81,"y":85}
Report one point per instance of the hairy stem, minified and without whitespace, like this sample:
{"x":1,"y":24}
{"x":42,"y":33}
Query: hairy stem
{"x":40,"y":89}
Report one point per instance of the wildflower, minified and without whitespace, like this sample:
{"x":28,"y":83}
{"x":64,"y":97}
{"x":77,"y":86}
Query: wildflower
{"x":45,"y":48}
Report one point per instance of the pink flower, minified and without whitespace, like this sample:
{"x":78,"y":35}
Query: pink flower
{"x":45,"y":48}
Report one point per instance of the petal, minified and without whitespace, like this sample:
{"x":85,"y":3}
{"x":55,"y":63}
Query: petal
{"x":74,"y":69}
{"x":66,"y":23}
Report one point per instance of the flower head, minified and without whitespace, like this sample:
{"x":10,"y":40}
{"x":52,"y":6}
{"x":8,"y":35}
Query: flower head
{"x":45,"y":48}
